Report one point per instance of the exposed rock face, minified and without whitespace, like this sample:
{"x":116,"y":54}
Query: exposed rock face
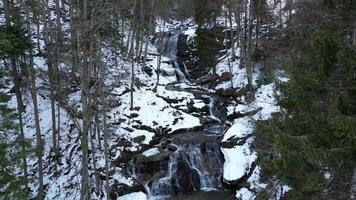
{"x":150,"y":166}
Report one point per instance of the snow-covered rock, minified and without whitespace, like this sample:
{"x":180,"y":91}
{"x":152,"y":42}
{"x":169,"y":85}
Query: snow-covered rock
{"x":134,"y":196}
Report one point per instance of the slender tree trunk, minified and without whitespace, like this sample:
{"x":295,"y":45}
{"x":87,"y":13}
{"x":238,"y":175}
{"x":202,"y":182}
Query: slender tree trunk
{"x":38,"y":132}
{"x":84,"y":85}
{"x":51,"y":72}
{"x":149,"y":33}
{"x":106,"y":148}
{"x":233,"y":54}
{"x":58,"y":79}
{"x":354,"y":34}
{"x":226,"y":47}
{"x":92,"y":136}
{"x":132,"y":84}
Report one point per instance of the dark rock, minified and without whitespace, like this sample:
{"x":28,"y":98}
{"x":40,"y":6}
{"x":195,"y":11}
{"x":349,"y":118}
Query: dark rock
{"x":119,"y":189}
{"x":239,"y":114}
{"x":230,"y":92}
{"x":133,"y":115}
{"x":234,"y":141}
{"x":207,"y":79}
{"x":147,"y":70}
{"x":225,"y":76}
{"x":188,"y":178}
{"x":164,"y":145}
{"x":172,"y":147}
{"x":139,"y":139}
{"x":149,"y":166}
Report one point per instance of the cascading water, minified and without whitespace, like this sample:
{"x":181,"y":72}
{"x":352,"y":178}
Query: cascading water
{"x":163,"y":187}
{"x":186,"y":162}
{"x":203,"y":159}
{"x":169,"y":48}
{"x":192,"y":167}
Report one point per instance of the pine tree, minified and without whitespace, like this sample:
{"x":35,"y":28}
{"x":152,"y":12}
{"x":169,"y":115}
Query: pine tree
{"x":11,"y":185}
{"x":310,"y":145}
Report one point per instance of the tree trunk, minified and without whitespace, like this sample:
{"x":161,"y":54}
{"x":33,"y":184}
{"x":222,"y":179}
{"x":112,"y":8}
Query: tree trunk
{"x":51,"y":73}
{"x":132,"y":84}
{"x":92,"y":136}
{"x":84,"y":85}
{"x":233,"y":54}
{"x":39,"y":150}
{"x":148,"y":34}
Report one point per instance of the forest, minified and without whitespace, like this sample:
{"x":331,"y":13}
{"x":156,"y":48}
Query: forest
{"x":178,"y":99}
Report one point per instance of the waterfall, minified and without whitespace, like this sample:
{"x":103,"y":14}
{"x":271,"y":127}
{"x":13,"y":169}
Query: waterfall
{"x":169,"y":48}
{"x":209,"y":169}
{"x":163,"y":188}
{"x":196,"y":165}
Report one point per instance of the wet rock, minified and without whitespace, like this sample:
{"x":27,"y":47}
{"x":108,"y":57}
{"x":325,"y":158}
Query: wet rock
{"x":188,"y":178}
{"x":152,"y":164}
{"x":172,"y":147}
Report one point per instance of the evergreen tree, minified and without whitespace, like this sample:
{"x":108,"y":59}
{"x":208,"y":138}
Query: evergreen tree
{"x":11,"y":186}
{"x":311,"y":143}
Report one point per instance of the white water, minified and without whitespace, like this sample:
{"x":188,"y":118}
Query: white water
{"x":170,"y":49}
{"x":202,"y":159}
{"x":163,"y":188}
{"x":209,"y":175}
{"x":211,"y":107}
{"x":207,"y":164}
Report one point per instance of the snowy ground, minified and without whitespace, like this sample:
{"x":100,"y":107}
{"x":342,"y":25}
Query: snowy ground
{"x":240,"y":158}
{"x":152,"y":110}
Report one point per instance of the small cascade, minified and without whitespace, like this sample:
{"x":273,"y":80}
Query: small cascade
{"x":201,"y":158}
{"x":165,"y":186}
{"x":169,"y":47}
{"x":211,"y":109}
{"x":192,"y":167}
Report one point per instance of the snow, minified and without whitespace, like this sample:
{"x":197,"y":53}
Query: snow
{"x":151,"y":152}
{"x":244,"y":194}
{"x":154,"y":112}
{"x":134,"y":196}
{"x":121,"y":179}
{"x":238,"y":160}
{"x":241,"y":128}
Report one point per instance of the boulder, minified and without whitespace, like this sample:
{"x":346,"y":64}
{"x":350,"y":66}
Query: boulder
{"x":225,"y":76}
{"x":172,"y":147}
{"x":147,"y":70}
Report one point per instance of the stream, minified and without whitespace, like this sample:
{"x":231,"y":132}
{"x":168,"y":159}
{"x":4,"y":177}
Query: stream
{"x":189,"y":165}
